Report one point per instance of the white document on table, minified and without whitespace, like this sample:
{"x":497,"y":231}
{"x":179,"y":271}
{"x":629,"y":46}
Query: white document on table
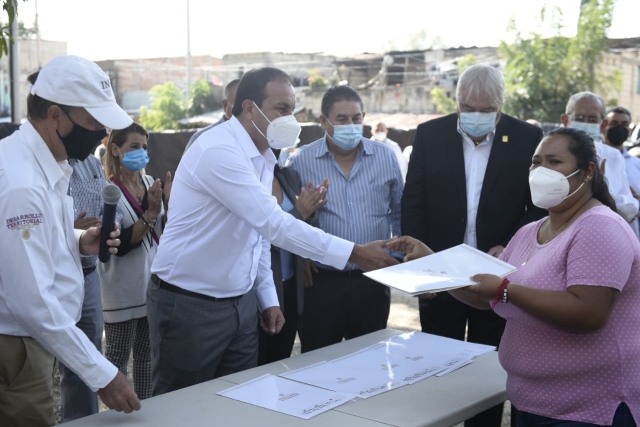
{"x":286,"y":396}
{"x":445,"y":270}
{"x":390,"y":367}
{"x":428,"y":343}
{"x":344,"y":379}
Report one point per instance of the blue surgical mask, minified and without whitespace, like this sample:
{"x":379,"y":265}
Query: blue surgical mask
{"x":478,"y":124}
{"x":346,"y":137}
{"x":135,"y":160}
{"x":593,"y":129}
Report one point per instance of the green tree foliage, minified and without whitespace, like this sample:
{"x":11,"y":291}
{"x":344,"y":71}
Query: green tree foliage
{"x":167,"y":107}
{"x":443,"y":103}
{"x":542,"y":73}
{"x":316,"y":79}
{"x":466,"y":62}
{"x":10,"y":8}
{"x":200,"y":99}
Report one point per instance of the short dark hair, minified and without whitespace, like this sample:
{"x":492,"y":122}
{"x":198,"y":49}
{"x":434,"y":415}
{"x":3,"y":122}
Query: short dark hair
{"x":337,"y":94}
{"x":38,"y":107}
{"x":233,"y":83}
{"x":252,"y":86}
{"x":581,"y":145}
{"x":620,"y":110}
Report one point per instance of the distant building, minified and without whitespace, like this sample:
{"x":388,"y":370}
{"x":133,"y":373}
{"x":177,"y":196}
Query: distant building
{"x":32,"y":54}
{"x":132,"y":79}
{"x":623,"y":57}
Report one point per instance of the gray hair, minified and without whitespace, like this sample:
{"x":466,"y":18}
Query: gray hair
{"x":571,"y":105}
{"x":481,"y":81}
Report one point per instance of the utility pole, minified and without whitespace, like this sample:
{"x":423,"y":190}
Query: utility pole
{"x":188,"y":52}
{"x":37,"y":38}
{"x":14,"y":67}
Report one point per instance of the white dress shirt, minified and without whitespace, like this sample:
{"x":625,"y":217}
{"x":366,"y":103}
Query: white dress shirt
{"x":476,"y":158}
{"x":633,"y":175}
{"x":220,"y":208}
{"x":616,"y":175}
{"x":402,"y":162}
{"x":41,"y":281}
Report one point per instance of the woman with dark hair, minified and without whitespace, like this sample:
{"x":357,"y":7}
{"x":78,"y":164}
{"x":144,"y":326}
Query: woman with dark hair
{"x":571,"y":346}
{"x":124,"y":279}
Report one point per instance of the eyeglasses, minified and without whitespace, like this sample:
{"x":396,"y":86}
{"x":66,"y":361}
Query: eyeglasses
{"x":585,"y":119}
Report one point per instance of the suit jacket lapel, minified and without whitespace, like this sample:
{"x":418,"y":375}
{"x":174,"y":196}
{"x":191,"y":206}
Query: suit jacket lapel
{"x":499,"y":151}
{"x":456,"y":162}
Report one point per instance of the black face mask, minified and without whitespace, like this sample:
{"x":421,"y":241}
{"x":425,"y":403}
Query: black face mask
{"x":617,"y":135}
{"x":81,"y":142}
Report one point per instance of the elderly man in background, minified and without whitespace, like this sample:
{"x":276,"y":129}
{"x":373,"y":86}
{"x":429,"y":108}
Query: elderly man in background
{"x":468,"y":182}
{"x":586,"y":111}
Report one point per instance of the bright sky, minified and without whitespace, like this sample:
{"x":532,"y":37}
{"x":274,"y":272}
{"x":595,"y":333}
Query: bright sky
{"x":114,"y":29}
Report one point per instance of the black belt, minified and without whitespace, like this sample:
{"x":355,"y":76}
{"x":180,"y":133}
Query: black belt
{"x":177,"y":290}
{"x":341,"y":273}
{"x":88,"y":270}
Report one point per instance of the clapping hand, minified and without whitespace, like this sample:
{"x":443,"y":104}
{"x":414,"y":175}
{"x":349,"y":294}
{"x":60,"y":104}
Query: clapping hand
{"x":311,"y":199}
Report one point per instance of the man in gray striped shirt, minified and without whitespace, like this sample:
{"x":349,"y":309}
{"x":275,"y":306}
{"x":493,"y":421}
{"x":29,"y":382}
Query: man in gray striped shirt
{"x":363,"y":206}
{"x":85,"y":187}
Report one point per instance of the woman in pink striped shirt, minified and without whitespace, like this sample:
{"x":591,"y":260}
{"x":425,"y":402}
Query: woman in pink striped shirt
{"x":571,"y":347}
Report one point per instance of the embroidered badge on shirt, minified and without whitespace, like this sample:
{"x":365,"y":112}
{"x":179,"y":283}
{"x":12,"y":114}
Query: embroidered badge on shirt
{"x":24,"y":222}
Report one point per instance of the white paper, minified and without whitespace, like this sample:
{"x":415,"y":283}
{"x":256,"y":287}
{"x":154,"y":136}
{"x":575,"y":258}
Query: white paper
{"x":445,"y":270}
{"x":286,"y":396}
{"x":428,"y":344}
{"x":345,"y":379}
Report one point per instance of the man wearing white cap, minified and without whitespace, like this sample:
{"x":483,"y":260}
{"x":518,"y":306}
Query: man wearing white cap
{"x":41,"y":280}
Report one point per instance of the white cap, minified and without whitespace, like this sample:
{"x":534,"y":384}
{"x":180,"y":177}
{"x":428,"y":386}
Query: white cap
{"x":77,"y":82}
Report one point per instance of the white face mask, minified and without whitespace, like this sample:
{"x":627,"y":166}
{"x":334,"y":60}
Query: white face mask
{"x":593,"y":129}
{"x":282,"y":132}
{"x":380,"y":136}
{"x":549,"y":188}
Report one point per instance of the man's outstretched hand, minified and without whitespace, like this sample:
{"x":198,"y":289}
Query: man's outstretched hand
{"x":372,"y":256}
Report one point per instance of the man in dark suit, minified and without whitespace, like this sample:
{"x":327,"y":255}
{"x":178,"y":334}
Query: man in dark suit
{"x":468,"y":183}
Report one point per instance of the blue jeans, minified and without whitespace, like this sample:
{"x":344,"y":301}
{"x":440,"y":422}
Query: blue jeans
{"x":622,"y":418}
{"x":77,"y":399}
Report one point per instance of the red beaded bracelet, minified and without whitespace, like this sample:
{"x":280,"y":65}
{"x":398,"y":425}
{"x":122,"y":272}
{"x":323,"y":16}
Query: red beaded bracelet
{"x":500,"y":292}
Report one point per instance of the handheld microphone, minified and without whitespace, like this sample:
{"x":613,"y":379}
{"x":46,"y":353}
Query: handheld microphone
{"x":111,"y":195}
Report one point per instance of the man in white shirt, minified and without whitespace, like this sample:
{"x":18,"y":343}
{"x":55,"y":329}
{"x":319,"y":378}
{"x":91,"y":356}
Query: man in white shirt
{"x":213,"y":267}
{"x":41,"y":280}
{"x":380,"y":135}
{"x":586,"y":111}
{"x":617,"y":132}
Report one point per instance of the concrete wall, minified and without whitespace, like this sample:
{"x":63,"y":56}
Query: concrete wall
{"x":132,"y":79}
{"x":386,"y":99}
{"x":627,"y":62}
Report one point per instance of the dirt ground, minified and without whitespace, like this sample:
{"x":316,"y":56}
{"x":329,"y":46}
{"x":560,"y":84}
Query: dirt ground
{"x":403,"y":316}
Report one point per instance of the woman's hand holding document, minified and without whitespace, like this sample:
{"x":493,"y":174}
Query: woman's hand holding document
{"x":425,"y":271}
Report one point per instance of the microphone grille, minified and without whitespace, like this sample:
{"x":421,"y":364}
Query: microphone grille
{"x":111,"y":194}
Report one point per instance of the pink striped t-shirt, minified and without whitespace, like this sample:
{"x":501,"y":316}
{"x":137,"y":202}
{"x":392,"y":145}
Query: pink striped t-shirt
{"x":575,"y":376}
